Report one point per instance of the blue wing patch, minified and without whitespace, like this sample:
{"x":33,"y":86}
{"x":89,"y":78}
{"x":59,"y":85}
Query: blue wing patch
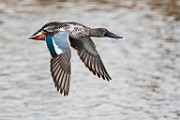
{"x":58,"y":43}
{"x":61,"y":39}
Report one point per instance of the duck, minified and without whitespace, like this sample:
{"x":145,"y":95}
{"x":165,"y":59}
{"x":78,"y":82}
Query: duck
{"x":60,"y":37}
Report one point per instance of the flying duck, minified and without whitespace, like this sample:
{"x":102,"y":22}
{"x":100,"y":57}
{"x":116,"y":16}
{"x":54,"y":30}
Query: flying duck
{"x":59,"y":36}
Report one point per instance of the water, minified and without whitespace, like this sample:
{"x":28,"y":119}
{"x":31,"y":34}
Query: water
{"x":144,"y":66}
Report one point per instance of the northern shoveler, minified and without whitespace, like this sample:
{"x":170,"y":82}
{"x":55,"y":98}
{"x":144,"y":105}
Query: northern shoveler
{"x":59,"y":36}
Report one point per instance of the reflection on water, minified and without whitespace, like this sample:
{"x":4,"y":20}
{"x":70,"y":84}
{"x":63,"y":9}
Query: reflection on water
{"x":145,"y":66}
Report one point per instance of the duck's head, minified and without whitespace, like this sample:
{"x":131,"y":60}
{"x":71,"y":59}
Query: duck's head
{"x":47,"y":28}
{"x":103,"y":32}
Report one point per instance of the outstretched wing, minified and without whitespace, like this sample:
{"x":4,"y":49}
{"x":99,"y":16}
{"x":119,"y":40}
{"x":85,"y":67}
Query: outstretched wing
{"x":88,"y":54}
{"x":59,"y":48}
{"x":61,"y":71}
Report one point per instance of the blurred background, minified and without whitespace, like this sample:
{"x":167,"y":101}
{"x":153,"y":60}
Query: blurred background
{"x":144,"y":66}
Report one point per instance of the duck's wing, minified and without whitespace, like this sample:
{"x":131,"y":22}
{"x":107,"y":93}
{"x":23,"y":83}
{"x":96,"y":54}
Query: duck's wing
{"x":86,"y":49}
{"x":59,"y":48}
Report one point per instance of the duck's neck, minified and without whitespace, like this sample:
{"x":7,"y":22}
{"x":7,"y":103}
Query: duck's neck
{"x":94,"y":32}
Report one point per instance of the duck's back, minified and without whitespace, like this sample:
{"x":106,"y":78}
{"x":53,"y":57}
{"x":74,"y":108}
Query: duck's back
{"x":80,"y":31}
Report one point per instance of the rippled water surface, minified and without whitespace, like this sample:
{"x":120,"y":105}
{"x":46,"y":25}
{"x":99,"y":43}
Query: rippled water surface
{"x":144,"y":66}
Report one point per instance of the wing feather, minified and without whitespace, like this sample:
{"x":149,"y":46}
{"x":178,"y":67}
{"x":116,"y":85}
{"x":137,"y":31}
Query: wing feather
{"x":61,"y":72}
{"x":59,"y":47}
{"x":86,"y":49}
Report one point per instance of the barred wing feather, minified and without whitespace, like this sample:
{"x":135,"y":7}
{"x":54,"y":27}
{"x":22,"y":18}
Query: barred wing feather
{"x":59,"y":47}
{"x":89,"y":55}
